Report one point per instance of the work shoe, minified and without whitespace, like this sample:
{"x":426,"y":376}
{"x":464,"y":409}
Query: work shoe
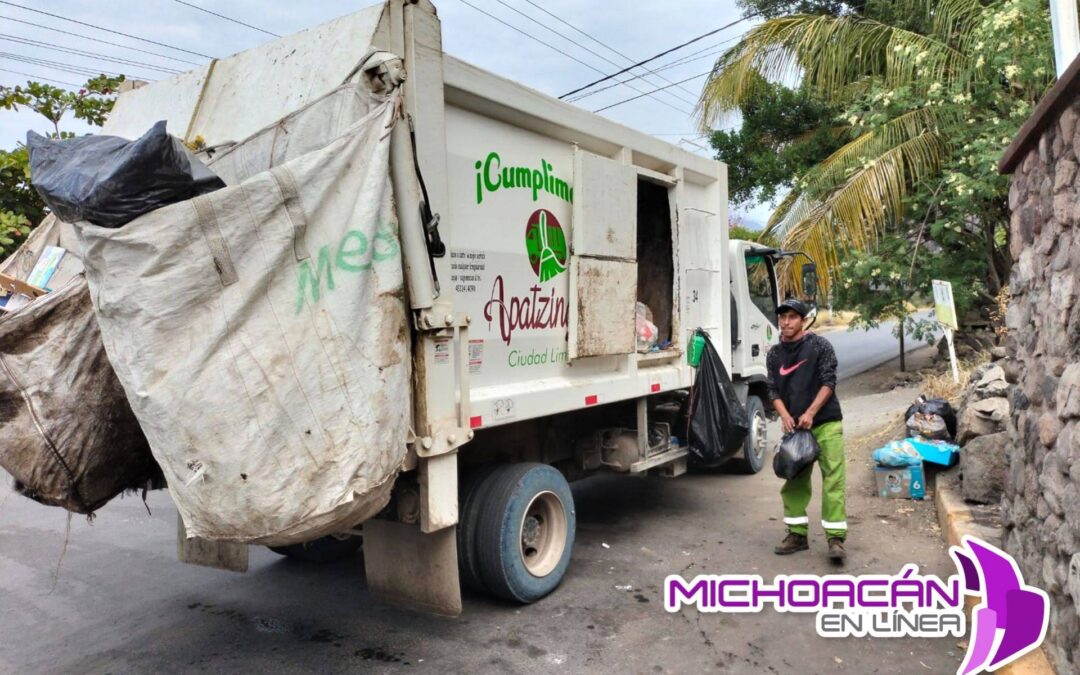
{"x":836,"y":549}
{"x":792,"y":544}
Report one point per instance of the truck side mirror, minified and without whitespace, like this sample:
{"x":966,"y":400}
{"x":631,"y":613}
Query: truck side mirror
{"x":810,"y":280}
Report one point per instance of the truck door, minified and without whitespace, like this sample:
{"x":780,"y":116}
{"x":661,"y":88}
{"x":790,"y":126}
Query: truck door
{"x":603,"y":257}
{"x":757,"y":301}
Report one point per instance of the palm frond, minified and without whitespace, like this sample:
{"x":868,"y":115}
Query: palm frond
{"x":954,"y":21}
{"x":855,"y":214}
{"x":827,"y":54}
{"x":835,"y":168}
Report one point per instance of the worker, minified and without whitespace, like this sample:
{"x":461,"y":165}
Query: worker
{"x":802,"y":388}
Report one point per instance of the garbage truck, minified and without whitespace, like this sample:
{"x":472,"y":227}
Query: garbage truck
{"x":556,"y":266}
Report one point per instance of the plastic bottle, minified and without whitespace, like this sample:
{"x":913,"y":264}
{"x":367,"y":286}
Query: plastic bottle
{"x":694,"y":349}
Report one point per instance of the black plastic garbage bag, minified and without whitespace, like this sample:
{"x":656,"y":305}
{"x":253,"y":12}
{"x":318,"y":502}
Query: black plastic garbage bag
{"x":798,"y":450}
{"x":717,"y":421}
{"x":928,"y":407}
{"x":110,"y":181}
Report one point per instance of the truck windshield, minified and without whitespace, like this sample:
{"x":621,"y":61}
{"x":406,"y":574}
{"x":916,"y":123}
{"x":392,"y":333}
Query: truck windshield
{"x":762,"y":284}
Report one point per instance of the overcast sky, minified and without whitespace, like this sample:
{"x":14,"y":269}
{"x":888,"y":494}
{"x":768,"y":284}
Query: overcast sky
{"x":637,"y":29}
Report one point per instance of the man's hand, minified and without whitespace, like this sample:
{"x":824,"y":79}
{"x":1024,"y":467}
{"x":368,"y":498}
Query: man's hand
{"x":787,"y":423}
{"x":806,"y":420}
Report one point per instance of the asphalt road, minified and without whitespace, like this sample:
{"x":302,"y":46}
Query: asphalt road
{"x":858,"y":351}
{"x":121,"y":603}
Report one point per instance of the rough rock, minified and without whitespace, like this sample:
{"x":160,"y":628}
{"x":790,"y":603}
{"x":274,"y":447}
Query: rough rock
{"x":1068,"y":393}
{"x":1049,"y":428}
{"x":982,"y":417}
{"x":983,"y":464}
{"x":991,"y":383}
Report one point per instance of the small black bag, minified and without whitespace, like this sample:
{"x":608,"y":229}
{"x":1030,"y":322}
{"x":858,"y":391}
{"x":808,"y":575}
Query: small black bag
{"x":111,"y":181}
{"x":718,"y":424}
{"x":798,"y":450}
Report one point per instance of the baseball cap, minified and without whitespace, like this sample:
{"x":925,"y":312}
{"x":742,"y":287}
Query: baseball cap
{"x":795,"y":305}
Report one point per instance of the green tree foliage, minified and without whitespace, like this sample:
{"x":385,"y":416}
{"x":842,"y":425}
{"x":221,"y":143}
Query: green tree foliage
{"x":20,"y":206}
{"x":746,"y":234}
{"x":92,"y":103}
{"x":932,"y":92}
{"x":881,"y":285}
{"x":770,"y":9}
{"x":784,"y":132}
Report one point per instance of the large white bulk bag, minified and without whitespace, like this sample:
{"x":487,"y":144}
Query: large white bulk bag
{"x":260,"y":335}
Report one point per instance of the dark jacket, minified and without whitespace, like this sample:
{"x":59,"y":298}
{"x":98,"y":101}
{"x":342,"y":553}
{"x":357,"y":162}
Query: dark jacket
{"x":797,"y":372}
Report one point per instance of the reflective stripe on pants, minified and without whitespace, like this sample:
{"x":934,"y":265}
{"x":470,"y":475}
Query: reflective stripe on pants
{"x":797,"y":491}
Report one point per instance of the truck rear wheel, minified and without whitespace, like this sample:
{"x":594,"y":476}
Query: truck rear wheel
{"x":470,"y":505}
{"x":755,"y":446}
{"x":326,"y":549}
{"x":525,"y":531}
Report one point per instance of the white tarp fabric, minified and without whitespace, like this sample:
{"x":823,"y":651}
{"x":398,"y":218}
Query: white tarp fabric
{"x":260,"y":335}
{"x":299,"y":133}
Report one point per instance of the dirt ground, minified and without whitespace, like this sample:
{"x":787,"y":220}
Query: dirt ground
{"x":123,"y":604}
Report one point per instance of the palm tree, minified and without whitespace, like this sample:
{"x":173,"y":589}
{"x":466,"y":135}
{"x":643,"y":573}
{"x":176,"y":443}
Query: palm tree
{"x":917,"y":50}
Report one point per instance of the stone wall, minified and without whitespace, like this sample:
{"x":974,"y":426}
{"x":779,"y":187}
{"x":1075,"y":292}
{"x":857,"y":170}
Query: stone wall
{"x":1041,"y":507}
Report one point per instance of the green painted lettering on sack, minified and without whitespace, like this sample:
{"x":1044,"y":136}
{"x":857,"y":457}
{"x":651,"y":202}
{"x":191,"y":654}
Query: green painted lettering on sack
{"x":354,"y":253}
{"x":314,"y":278}
{"x":353,"y":245}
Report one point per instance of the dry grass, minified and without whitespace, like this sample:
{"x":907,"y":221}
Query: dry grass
{"x":834,"y":319}
{"x":890,"y":431}
{"x":942,"y":385}
{"x":837,"y":319}
{"x":938,"y":384}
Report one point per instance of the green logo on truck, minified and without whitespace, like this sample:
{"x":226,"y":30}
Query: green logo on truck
{"x":546,"y":244}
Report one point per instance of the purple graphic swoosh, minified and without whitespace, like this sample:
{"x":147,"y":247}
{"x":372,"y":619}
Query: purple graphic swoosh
{"x":1013,"y":616}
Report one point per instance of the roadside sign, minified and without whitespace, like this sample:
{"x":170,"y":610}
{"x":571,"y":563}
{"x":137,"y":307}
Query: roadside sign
{"x":945,"y":312}
{"x":944,"y":308}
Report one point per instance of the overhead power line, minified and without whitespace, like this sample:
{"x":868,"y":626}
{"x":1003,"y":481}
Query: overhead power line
{"x":107,"y":30}
{"x":535,"y":39}
{"x":38,"y":78}
{"x":227,"y":18}
{"x":689,"y":58}
{"x":94,"y":39}
{"x":663,"y":53}
{"x":68,"y":67}
{"x":578,"y":44}
{"x":634,"y":98}
{"x":65,"y":67}
{"x":598,"y":41}
{"x":79,"y":52}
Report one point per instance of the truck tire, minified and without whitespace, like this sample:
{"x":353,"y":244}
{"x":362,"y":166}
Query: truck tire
{"x":755,"y":447}
{"x":326,"y":549}
{"x":470,"y":506}
{"x":525,"y":531}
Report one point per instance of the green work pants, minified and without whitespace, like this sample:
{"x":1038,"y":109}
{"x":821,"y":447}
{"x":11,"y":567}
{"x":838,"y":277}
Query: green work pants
{"x":796,"y":492}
